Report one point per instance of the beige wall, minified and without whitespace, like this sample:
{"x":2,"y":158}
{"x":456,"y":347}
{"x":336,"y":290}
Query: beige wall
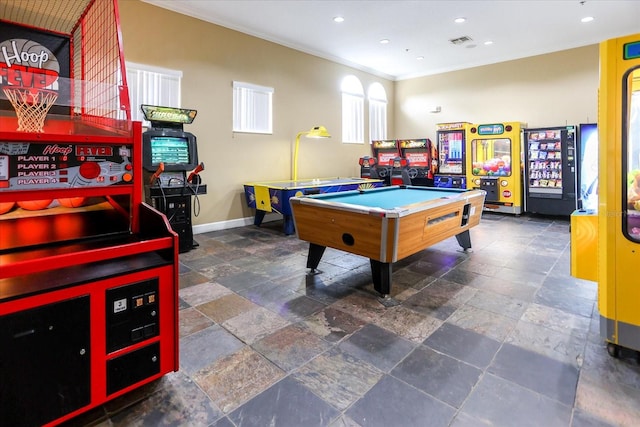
{"x":307,"y":93}
{"x":547,"y":90}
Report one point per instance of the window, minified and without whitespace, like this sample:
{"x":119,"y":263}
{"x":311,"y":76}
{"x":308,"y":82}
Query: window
{"x":252,"y":108}
{"x":377,"y":112}
{"x":352,"y":110}
{"x":152,"y":86}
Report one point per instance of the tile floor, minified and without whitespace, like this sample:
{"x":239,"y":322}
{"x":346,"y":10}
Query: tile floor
{"x":500,"y":336}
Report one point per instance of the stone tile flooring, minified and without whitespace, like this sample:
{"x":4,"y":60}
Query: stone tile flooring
{"x":500,"y":336}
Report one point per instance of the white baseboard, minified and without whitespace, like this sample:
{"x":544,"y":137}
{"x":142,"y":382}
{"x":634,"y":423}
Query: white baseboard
{"x":233,"y":223}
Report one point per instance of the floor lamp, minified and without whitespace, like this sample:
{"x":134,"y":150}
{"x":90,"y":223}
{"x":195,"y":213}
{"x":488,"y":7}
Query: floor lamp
{"x":315,"y":132}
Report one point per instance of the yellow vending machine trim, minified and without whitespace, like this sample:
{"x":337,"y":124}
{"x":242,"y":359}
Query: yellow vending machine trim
{"x":494,"y":164}
{"x":619,"y":193}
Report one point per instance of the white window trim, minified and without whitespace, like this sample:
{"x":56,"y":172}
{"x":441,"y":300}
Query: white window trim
{"x":252,"y":108}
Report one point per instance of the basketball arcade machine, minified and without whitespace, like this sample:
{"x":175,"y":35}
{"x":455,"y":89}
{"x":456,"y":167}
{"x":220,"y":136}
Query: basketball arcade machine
{"x":168,"y":154}
{"x":494,"y":165}
{"x":88,"y":284}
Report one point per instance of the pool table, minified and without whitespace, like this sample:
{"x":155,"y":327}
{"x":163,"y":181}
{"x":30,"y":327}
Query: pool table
{"x":273,"y":196}
{"x":385,"y":224}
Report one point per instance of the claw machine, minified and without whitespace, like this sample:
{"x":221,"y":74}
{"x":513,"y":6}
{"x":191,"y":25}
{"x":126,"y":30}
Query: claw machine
{"x":494,"y":164}
{"x":451,"y":149}
{"x":618,"y":231}
{"x":550,"y":163}
{"x":89,"y":272}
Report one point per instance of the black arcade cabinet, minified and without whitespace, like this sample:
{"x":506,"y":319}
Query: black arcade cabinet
{"x":170,"y":160}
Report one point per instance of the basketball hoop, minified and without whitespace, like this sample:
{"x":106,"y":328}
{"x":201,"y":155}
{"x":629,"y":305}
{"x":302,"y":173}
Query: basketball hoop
{"x":31,"y":105}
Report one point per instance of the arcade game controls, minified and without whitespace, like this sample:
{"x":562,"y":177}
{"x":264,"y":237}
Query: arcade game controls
{"x":168,"y":154}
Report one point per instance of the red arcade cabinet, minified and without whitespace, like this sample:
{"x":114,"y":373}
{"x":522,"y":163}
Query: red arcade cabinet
{"x":384,"y":153}
{"x":89,"y":273}
{"x":421,"y":160}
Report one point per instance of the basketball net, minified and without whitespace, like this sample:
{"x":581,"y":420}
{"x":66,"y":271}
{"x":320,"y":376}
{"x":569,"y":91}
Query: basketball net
{"x":31,"y":105}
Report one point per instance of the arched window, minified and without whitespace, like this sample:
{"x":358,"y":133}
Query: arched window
{"x":377,"y":112}
{"x":352,"y":110}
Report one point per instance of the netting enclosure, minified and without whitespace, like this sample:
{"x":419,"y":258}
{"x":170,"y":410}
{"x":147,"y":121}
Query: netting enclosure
{"x":72,"y":47}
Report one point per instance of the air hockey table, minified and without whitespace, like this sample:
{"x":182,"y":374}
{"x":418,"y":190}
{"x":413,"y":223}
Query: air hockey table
{"x":273,"y":196}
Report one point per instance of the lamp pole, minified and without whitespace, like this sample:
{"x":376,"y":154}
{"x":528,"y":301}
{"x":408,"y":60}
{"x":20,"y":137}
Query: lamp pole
{"x":295,"y":155}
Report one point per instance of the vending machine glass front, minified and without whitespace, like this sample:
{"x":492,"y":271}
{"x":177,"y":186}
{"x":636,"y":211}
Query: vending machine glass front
{"x":632,"y":172}
{"x":491,"y":157}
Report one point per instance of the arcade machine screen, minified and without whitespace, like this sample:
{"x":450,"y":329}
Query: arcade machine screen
{"x":176,"y":150}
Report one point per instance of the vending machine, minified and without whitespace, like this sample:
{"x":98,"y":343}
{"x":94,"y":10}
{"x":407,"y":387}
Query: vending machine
{"x":588,"y":167}
{"x":451,"y":149}
{"x":493,"y":164}
{"x":550,"y":170}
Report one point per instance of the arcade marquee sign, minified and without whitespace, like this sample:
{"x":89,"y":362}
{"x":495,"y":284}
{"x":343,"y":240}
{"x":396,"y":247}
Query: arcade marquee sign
{"x":36,"y":60}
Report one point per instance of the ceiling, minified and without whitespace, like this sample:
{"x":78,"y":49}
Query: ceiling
{"x":419,"y":29}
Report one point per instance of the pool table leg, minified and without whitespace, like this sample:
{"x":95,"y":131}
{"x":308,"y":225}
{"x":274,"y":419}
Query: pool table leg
{"x":464,"y":240}
{"x":381,"y":273}
{"x":315,"y":255}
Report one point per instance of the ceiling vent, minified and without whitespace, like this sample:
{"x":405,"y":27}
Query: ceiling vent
{"x":460,"y":40}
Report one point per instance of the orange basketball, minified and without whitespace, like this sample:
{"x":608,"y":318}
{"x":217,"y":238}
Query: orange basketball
{"x":34,"y":205}
{"x":6,"y":207}
{"x":72,"y":202}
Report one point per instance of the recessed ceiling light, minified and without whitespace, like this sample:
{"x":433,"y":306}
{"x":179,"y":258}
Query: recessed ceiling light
{"x":384,"y":41}
{"x":459,"y":20}
{"x":338,"y":19}
{"x":587,"y":19}
{"x":420,"y":58}
{"x":488,"y":42}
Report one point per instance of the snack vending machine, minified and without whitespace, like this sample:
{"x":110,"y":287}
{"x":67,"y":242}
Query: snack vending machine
{"x":494,"y":165}
{"x":550,"y":170}
{"x":451,"y":155}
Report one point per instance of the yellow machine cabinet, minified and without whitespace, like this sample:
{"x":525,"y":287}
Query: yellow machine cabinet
{"x":619,"y":198}
{"x":584,"y":245}
{"x":493,"y":164}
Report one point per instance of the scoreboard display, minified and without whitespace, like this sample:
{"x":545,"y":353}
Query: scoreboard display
{"x":38,"y":166}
